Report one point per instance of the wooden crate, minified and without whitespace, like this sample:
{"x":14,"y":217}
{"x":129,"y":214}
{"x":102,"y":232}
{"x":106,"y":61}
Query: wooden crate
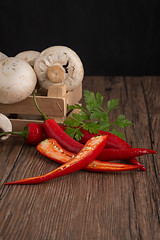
{"x":54,"y":105}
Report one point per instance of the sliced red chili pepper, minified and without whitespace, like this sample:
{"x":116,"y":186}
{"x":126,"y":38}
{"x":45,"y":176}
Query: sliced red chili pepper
{"x":52,"y":150}
{"x":107,"y":154}
{"x":99,"y":166}
{"x":87,"y":154}
{"x":33,"y":133}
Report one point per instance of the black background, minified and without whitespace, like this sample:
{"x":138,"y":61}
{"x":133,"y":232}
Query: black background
{"x":117,"y":37}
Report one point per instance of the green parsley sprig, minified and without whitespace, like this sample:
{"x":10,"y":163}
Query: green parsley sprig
{"x":93,"y":117}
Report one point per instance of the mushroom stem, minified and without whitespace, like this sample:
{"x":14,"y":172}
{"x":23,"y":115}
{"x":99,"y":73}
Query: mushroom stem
{"x":56,"y":73}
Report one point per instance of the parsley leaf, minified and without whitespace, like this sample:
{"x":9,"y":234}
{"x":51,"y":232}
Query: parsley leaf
{"x":122,"y":122}
{"x":93,"y":117}
{"x":112,"y":104}
{"x":92,"y":127}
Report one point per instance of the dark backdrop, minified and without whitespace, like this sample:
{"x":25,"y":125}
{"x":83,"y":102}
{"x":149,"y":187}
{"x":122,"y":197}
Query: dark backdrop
{"x":116,"y":37}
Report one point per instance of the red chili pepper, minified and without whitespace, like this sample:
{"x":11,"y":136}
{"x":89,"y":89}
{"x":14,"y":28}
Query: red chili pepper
{"x":87,"y":154}
{"x":123,"y":154}
{"x":113,"y":142}
{"x":52,"y":150}
{"x":53,"y":130}
{"x":33,"y":133}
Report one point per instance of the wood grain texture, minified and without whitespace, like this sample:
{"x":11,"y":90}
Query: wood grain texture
{"x":85,"y":205}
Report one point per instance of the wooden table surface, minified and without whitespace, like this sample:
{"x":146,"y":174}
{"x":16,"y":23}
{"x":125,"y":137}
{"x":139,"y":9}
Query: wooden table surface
{"x":86,"y":205}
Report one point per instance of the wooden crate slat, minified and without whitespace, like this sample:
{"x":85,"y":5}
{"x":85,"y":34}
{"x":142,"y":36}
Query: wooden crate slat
{"x":19,"y":124}
{"x":50,"y":106}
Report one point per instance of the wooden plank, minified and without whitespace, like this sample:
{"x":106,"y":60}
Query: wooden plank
{"x":19,"y":124}
{"x":51,"y":106}
{"x":138,"y":106}
{"x":151,"y":89}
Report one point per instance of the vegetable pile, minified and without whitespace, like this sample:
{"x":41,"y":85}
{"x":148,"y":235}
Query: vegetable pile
{"x":87,"y":140}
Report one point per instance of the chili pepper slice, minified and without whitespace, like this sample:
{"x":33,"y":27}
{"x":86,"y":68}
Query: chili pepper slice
{"x":52,"y":150}
{"x":87,"y":154}
{"x":99,"y":166}
{"x":107,"y":154}
{"x":33,"y":133}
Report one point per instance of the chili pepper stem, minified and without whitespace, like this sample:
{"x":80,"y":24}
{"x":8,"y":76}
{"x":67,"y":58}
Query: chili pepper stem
{"x":21,"y":133}
{"x":38,"y":108}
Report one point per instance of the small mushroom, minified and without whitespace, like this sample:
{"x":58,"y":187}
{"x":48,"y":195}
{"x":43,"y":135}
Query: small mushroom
{"x":2,"y":56}
{"x":17,"y":80}
{"x":28,"y":56}
{"x":59,"y":64}
{"x":5,"y":126}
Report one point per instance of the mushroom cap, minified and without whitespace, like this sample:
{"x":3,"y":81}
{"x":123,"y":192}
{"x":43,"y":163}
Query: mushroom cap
{"x":63,"y":59}
{"x":5,"y":126}
{"x":28,"y":56}
{"x":2,"y":56}
{"x":17,"y":80}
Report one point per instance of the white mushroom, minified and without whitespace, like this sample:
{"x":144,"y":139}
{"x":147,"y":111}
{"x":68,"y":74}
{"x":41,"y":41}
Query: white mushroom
{"x":59,"y":64}
{"x":2,"y":56}
{"x":28,"y":56}
{"x":17,"y":80}
{"x":5,"y":126}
